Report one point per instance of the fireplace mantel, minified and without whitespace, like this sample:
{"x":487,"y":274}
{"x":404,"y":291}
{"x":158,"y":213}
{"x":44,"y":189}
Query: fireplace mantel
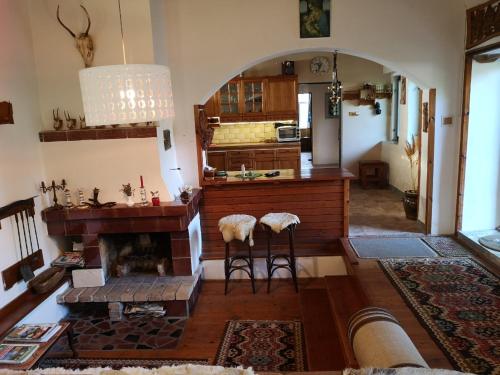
{"x":89,"y":223}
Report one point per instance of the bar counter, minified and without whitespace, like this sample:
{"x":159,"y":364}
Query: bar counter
{"x":319,"y":197}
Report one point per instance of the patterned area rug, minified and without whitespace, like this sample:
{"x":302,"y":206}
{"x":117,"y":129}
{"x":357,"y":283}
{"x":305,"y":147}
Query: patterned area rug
{"x":458,"y":302}
{"x":93,"y":330}
{"x":390,"y":247}
{"x":447,"y":246}
{"x":264,"y":345}
{"x":83,"y":363}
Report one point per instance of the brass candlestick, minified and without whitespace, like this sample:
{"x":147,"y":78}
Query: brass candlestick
{"x":53,"y":188}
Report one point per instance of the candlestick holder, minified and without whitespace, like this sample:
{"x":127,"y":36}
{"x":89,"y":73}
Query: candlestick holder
{"x":53,"y":188}
{"x":94,"y":202}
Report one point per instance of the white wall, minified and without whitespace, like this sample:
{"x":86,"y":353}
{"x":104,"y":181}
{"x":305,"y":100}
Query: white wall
{"x":481,"y":205}
{"x":21,"y":169}
{"x":424,"y":40}
{"x":105,"y":164}
{"x":362,"y":135}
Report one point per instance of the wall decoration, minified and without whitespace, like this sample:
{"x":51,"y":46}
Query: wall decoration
{"x":6,"y":113}
{"x":53,"y":188}
{"x":319,"y":64}
{"x":58,"y":122}
{"x":425,"y":115}
{"x":331,"y":110}
{"x":167,"y":142}
{"x":288,"y":68}
{"x":402,"y":99}
{"x":483,"y":23}
{"x":314,"y":18}
{"x":70,"y":121}
{"x":84,"y":42}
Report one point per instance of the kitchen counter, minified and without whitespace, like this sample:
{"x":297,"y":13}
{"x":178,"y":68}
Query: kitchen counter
{"x":253,"y":146}
{"x":286,"y":175}
{"x":319,"y":197}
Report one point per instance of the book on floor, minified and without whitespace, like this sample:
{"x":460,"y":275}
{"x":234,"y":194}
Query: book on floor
{"x":16,"y":353}
{"x":69,"y":259}
{"x":32,"y":332}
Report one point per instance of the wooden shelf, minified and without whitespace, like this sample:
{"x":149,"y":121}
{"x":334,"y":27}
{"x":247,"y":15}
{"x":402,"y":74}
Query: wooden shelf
{"x":97,"y":134}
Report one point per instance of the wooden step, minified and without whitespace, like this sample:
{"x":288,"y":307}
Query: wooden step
{"x":323,"y":348}
{"x":346,"y":298}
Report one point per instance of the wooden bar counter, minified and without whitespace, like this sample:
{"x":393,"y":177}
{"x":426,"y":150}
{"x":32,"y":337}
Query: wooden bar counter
{"x":320,"y":197}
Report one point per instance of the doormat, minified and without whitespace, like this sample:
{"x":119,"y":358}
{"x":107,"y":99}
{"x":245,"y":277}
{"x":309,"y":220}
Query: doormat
{"x":116,"y":364}
{"x":447,"y":246}
{"x":264,"y":345}
{"x":457,"y":301}
{"x":376,"y":248}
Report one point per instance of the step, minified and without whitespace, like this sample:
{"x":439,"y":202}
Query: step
{"x":323,"y":348}
{"x":346,"y":298}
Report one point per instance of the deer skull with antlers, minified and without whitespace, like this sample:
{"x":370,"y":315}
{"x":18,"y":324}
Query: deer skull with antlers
{"x":84,"y":41}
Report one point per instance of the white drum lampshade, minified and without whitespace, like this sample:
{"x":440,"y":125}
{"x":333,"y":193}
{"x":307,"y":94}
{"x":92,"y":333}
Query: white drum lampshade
{"x":124,"y":94}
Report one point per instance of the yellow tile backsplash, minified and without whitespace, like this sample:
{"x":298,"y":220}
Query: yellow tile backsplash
{"x":247,"y":132}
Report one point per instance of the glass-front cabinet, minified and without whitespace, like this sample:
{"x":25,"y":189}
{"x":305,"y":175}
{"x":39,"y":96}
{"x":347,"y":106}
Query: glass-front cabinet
{"x":229,"y":98}
{"x":253,"y":96}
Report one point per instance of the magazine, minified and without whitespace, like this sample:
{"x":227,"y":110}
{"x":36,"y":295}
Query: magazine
{"x":32,"y":332}
{"x":69,"y":259}
{"x":16,"y":353}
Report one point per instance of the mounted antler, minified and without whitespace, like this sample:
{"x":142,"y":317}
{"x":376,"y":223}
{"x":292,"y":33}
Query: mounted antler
{"x":58,"y":122}
{"x":70,"y":122}
{"x":84,"y":41}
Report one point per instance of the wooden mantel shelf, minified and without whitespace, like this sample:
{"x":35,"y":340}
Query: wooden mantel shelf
{"x":97,"y":134}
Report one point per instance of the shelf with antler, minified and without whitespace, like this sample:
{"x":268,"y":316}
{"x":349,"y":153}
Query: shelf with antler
{"x":97,"y":134}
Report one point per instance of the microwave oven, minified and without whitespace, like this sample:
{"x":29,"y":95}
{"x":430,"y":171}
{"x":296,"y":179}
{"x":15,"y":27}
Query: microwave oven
{"x":288,"y":133}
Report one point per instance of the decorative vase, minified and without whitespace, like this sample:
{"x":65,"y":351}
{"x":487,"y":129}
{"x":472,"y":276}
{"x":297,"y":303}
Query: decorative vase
{"x":410,"y":203}
{"x":130,"y":201}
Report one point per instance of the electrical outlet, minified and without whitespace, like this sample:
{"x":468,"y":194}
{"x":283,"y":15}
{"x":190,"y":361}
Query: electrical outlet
{"x":447,"y":120}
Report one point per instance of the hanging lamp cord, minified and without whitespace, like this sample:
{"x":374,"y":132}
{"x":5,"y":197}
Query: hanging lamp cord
{"x":121,"y":28}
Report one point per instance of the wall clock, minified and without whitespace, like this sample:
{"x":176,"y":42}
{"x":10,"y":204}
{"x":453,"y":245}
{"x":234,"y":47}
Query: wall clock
{"x":320,"y":64}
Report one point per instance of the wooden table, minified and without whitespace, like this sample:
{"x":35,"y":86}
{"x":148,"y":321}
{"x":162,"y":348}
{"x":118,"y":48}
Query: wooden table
{"x":373,"y":171}
{"x":65,"y":328}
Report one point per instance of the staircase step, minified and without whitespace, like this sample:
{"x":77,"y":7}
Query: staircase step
{"x":323,"y":347}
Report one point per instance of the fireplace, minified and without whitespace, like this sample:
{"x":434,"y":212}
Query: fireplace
{"x":133,"y":254}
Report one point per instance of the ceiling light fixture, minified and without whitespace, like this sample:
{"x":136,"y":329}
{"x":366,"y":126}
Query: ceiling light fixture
{"x":335,"y":89}
{"x":126,"y":93}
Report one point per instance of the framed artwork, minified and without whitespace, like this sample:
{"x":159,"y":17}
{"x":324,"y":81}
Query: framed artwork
{"x":331,"y":110}
{"x":6,"y":113}
{"x":425,"y":115}
{"x":314,"y":18}
{"x":403,"y":91}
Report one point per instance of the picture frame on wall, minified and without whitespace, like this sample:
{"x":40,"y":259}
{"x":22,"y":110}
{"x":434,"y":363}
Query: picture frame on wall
{"x":314,"y":18}
{"x":403,"y":91}
{"x":425,"y":115}
{"x":331,"y":110}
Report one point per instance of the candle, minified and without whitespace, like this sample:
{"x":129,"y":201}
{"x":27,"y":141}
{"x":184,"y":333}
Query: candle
{"x":142,"y":182}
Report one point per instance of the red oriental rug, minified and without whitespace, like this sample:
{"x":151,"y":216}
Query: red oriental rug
{"x":264,"y":345}
{"x":458,"y":302}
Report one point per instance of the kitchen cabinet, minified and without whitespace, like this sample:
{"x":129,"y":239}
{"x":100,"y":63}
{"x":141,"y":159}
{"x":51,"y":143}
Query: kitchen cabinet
{"x":251,"y":99}
{"x":217,"y":159}
{"x":282,"y":97}
{"x":260,"y":157}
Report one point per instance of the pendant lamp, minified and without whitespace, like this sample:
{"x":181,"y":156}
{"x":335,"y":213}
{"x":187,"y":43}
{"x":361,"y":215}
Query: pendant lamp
{"x":335,"y":89}
{"x":126,"y":93}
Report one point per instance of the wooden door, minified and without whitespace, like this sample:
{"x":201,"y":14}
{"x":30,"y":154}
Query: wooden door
{"x":212,"y":106}
{"x":229,"y":101}
{"x":217,"y":159}
{"x":282,"y":97}
{"x":252,"y":100}
{"x":265,"y":159}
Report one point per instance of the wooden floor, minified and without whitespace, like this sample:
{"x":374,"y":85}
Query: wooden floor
{"x":205,"y":329}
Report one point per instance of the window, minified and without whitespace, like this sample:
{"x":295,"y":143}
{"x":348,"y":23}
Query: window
{"x":305,"y":110}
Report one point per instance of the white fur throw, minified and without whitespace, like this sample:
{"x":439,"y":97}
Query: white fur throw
{"x":237,"y":227}
{"x":165,"y":370}
{"x":279,"y":221}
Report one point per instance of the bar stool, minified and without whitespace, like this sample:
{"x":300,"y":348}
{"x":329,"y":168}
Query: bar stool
{"x":276,"y":222}
{"x":238,"y":227}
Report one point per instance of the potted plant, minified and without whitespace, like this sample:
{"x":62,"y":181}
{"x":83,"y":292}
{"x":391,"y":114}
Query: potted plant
{"x":128,"y":191}
{"x":410,"y":200}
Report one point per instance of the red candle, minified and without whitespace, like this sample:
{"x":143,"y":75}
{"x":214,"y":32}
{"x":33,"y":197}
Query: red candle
{"x":142,"y":182}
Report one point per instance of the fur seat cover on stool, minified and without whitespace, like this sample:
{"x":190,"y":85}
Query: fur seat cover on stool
{"x":237,"y":227}
{"x":279,"y":220}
